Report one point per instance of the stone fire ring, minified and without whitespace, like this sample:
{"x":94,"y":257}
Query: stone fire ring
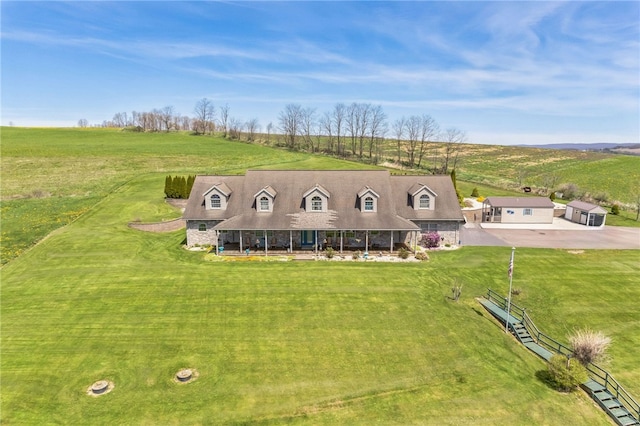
{"x":185,"y":375}
{"x":100,"y":387}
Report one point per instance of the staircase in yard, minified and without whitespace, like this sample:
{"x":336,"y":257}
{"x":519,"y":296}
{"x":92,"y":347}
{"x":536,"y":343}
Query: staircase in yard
{"x":603,"y":388}
{"x":610,"y":403}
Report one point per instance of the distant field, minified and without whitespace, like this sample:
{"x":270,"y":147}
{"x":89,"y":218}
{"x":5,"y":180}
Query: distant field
{"x":296,"y":342}
{"x":507,"y":167}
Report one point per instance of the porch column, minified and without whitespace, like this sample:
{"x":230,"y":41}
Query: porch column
{"x":315,"y":245}
{"x":266,"y":242}
{"x":341,"y":233}
{"x":290,"y":240}
{"x":240,"y":241}
{"x":366,"y":241}
{"x":391,"y":247}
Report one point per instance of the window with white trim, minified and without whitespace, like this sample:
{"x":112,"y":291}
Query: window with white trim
{"x":316,"y":204}
{"x":425,"y":201}
{"x":264,"y":204}
{"x":368,"y":204}
{"x":215,"y":201}
{"x":527,"y":212}
{"x":202,"y":227}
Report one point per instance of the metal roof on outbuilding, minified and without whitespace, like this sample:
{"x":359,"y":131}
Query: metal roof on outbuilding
{"x":587,"y":207}
{"x":525,"y":202}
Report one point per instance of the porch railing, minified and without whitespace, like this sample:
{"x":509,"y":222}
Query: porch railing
{"x":596,"y":373}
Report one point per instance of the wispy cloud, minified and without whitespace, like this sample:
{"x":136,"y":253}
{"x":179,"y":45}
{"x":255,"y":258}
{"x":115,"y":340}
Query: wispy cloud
{"x":576,"y":60}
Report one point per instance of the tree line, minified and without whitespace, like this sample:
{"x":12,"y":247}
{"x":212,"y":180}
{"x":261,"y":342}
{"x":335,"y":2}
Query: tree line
{"x":358,"y":131}
{"x":363,"y":131}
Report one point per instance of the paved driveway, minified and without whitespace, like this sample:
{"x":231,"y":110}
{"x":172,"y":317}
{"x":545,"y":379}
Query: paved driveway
{"x":609,"y":237}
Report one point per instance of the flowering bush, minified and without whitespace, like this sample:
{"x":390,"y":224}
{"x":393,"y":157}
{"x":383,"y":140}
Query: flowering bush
{"x":431,"y":239}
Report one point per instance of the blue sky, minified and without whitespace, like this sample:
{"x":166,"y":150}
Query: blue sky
{"x":503,"y":72}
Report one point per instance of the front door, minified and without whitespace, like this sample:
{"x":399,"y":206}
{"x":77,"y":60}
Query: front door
{"x":308,"y":239}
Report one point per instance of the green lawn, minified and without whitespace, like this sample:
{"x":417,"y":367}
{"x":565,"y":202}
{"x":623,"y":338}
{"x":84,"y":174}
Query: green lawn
{"x":273,"y":342}
{"x":301,"y":342}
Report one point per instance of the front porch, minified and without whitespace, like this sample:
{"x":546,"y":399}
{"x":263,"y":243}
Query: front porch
{"x":233,"y":249}
{"x":313,"y":241}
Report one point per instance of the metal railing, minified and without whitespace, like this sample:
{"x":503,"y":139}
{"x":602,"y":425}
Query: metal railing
{"x":596,"y":373}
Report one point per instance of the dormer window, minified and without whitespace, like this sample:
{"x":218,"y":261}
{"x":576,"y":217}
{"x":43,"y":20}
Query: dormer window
{"x":217,"y":197}
{"x":368,"y":200}
{"x":264,"y":204}
{"x":215,"y":201}
{"x":264,"y":199}
{"x":425,"y":201}
{"x":316,"y":204}
{"x":316,"y":199}
{"x":368,"y":204}
{"x":421,"y":197}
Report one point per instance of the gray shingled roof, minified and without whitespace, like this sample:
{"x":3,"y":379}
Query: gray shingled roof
{"x":533,"y":202}
{"x":393,"y":209}
{"x":587,"y":207}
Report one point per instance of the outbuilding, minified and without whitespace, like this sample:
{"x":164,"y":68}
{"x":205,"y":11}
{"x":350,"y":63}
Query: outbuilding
{"x":585,"y":213}
{"x":517,"y":210}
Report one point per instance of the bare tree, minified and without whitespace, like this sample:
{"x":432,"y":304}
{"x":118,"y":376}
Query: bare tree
{"x":318,"y":136}
{"x":252,"y":126}
{"x":307,"y":125}
{"x":167,"y":118}
{"x":412,"y":125}
{"x":235,"y":128}
{"x":224,"y":120}
{"x":399,"y":132}
{"x":453,"y":138}
{"x":356,"y":120}
{"x":338,"y":119}
{"x":290,"y":122}
{"x":269,"y":130}
{"x":119,"y":119}
{"x":364,"y":116}
{"x":185,"y":122}
{"x":428,"y":131}
{"x":83,"y":122}
{"x":377,"y":128}
{"x":204,"y":112}
{"x":326,"y":128}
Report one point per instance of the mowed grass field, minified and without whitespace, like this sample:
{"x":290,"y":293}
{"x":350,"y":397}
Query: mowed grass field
{"x":301,"y":342}
{"x":279,"y":342}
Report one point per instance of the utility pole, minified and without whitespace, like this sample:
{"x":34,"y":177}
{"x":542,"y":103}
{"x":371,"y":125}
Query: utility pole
{"x":510,"y":272}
